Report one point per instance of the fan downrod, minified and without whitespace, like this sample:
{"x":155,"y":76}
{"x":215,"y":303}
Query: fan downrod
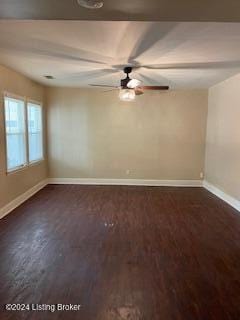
{"x":125,"y":81}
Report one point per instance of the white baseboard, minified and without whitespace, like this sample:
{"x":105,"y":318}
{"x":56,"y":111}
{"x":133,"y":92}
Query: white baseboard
{"x":22,"y":198}
{"x":222,"y":195}
{"x":127,"y":182}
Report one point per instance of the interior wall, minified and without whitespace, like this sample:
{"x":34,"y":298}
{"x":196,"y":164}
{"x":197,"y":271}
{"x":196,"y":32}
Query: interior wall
{"x":92,"y":134}
{"x":223,"y":137}
{"x":14,"y":184}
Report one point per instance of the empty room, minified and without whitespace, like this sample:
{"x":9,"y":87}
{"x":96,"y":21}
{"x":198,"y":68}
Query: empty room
{"x":119,"y":160}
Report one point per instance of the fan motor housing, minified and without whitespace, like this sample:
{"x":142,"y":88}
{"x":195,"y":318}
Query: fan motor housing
{"x":125,"y":81}
{"x":127,"y":70}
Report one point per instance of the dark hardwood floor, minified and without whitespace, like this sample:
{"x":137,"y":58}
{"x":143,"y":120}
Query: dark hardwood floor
{"x":131,"y":253}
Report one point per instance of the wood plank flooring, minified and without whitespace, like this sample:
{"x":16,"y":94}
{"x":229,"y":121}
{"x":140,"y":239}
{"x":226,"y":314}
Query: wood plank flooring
{"x":132,"y":253}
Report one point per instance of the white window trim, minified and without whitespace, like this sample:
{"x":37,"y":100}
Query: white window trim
{"x":34,"y":162}
{"x":21,"y":167}
{"x":13,"y":96}
{"x":28,"y":163}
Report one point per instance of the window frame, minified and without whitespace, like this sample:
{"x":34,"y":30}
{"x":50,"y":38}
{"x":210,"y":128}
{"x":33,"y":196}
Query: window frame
{"x":38,"y":103}
{"x":21,"y":167}
{"x":25,"y":101}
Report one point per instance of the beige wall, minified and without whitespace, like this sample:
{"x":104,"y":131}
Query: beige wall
{"x":13,"y":185}
{"x":223,"y":137}
{"x":160,"y":136}
{"x":94,"y":135}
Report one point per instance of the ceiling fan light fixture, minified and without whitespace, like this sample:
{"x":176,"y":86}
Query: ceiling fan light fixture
{"x":133,"y":83}
{"x":90,"y":4}
{"x":127,"y":95}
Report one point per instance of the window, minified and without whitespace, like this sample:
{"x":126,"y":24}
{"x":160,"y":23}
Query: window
{"x":24,"y":132}
{"x":35,"y":132}
{"x":15,"y":133}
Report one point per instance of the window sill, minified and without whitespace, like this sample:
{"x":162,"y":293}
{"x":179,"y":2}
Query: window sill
{"x":18,"y":169}
{"x":36,"y":162}
{"x":22,"y":168}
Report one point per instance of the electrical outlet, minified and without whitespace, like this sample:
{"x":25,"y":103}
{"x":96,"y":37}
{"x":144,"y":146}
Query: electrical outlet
{"x":201,"y":175}
{"x":127,"y":172}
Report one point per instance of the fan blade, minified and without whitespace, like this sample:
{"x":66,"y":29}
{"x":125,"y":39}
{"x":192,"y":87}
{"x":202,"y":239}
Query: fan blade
{"x":44,"y":48}
{"x":194,"y":65}
{"x":89,"y":74}
{"x":102,"y":86}
{"x":110,"y":90}
{"x":148,"y":38}
{"x":155,"y":87}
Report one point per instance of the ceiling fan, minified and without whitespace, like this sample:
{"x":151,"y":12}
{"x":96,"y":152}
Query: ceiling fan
{"x":129,"y":88}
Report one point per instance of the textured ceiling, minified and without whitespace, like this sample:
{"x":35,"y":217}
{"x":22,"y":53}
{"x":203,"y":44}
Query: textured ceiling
{"x":124,"y":10}
{"x":78,"y":53}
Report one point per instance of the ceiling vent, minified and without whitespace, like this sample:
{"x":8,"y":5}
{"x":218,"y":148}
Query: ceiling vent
{"x":49,"y":77}
{"x":90,"y":4}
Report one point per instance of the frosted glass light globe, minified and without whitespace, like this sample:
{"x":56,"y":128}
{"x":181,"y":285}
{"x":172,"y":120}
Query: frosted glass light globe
{"x":127,"y":94}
